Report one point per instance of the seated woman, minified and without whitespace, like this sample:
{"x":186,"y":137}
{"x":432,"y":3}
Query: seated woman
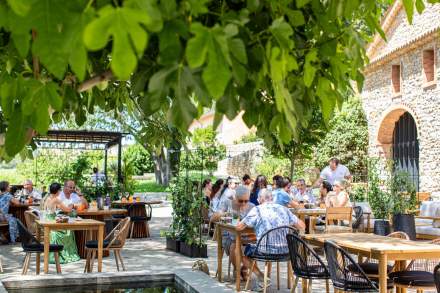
{"x":66,"y":238}
{"x":7,"y":200}
{"x":338,"y":197}
{"x":324,"y":190}
{"x":239,"y":206}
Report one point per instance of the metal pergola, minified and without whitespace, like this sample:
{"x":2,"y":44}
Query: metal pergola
{"x":83,"y":140}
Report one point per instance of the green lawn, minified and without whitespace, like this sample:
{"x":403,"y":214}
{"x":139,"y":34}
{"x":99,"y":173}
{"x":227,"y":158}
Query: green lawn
{"x":149,"y":186}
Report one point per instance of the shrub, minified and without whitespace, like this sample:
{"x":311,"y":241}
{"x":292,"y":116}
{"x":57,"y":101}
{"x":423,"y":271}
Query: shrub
{"x":271,"y":165}
{"x":141,"y":158}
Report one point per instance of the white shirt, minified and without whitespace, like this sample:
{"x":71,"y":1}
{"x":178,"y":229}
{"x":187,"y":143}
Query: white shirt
{"x":307,"y":196}
{"x":74,"y":199}
{"x":98,"y":178}
{"x":34,"y":193}
{"x":338,"y":174}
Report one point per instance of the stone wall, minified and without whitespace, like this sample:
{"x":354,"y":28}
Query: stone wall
{"x":383,"y":108}
{"x":241,"y":159}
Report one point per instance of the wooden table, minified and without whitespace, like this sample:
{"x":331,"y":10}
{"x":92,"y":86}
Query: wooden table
{"x":302,"y":213}
{"x":140,"y":228}
{"x":381,"y":248}
{"x":85,"y":224}
{"x":18,"y":210}
{"x":231,"y":229}
{"x":81,"y":237}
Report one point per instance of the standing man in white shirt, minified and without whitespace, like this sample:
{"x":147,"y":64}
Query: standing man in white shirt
{"x":335,"y":171}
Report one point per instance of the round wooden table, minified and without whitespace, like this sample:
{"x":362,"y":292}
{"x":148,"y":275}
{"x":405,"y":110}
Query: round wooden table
{"x":140,"y":229}
{"x":100,"y":215}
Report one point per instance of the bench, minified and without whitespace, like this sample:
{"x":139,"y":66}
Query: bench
{"x":428,"y":220}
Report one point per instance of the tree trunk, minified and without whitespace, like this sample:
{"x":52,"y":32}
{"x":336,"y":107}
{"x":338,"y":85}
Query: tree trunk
{"x":162,"y":167}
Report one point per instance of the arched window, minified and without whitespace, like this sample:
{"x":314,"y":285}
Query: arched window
{"x":406,"y":147}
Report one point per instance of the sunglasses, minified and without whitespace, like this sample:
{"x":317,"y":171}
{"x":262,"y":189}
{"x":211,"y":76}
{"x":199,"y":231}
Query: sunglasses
{"x":243,"y":201}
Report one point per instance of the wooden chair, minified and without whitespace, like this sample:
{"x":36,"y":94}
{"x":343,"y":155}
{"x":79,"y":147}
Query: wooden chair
{"x":31,"y":245}
{"x":418,"y":274}
{"x":423,"y":196}
{"x":346,"y":274}
{"x":4,"y":231}
{"x":114,"y":241}
{"x":31,"y":225}
{"x":337,"y":220}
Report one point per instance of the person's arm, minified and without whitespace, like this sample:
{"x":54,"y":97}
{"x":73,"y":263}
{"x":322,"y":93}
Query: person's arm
{"x":14,"y":201}
{"x":249,"y":221}
{"x":300,"y":225}
{"x":62,"y":206}
{"x":293,"y":204}
{"x":344,"y":200}
{"x":240,"y":226}
{"x":84,"y":201}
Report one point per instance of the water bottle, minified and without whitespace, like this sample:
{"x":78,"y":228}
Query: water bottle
{"x":100,"y":202}
{"x":107,"y":201}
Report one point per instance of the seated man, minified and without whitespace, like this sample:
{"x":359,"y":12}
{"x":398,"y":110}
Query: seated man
{"x":281,"y":195}
{"x":71,"y":196}
{"x":268,"y":215}
{"x":30,"y":191}
{"x":303,"y":194}
{"x":240,"y":206}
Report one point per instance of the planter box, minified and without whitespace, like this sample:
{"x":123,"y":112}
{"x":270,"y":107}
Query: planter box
{"x":173,"y":244}
{"x":382,"y":227}
{"x":193,"y":250}
{"x":405,"y":223}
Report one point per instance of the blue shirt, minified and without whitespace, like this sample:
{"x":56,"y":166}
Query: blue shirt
{"x":254,"y":196}
{"x":280,"y":196}
{"x":269,"y":216}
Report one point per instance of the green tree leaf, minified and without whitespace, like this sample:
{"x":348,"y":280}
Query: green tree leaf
{"x":282,"y":32}
{"x":197,"y":47}
{"x":20,"y":7}
{"x":123,"y":24}
{"x":409,"y":8}
{"x":238,"y":50}
{"x":15,"y":134}
{"x":296,"y":18}
{"x":309,"y":68}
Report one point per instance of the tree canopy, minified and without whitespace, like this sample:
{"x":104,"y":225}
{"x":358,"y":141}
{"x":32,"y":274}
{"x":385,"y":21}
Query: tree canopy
{"x":275,"y":60}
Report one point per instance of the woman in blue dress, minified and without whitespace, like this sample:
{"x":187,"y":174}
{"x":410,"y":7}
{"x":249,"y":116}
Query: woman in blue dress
{"x":6,"y":200}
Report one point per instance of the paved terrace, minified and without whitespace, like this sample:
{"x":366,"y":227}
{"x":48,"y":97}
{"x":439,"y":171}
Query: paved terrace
{"x":145,"y":254}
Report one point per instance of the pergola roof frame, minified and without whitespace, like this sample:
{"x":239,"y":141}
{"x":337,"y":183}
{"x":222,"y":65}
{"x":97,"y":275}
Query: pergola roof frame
{"x":78,"y":139}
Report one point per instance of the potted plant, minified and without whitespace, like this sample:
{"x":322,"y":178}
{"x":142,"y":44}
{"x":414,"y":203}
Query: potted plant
{"x":379,"y":201}
{"x":403,"y":195}
{"x":193,"y":244}
{"x":186,"y":226}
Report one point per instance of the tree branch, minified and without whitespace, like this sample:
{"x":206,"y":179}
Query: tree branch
{"x":88,"y":84}
{"x":35,"y":61}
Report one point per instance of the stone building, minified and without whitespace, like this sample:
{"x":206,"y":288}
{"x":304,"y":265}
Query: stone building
{"x":401,"y":96}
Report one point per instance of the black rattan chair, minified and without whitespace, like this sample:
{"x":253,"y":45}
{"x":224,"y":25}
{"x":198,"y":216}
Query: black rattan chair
{"x":418,"y":274}
{"x":358,"y":218}
{"x":271,"y":247}
{"x":306,"y":263}
{"x":371,"y":266}
{"x":347,"y":279}
{"x":31,"y":245}
{"x":437,"y":277}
